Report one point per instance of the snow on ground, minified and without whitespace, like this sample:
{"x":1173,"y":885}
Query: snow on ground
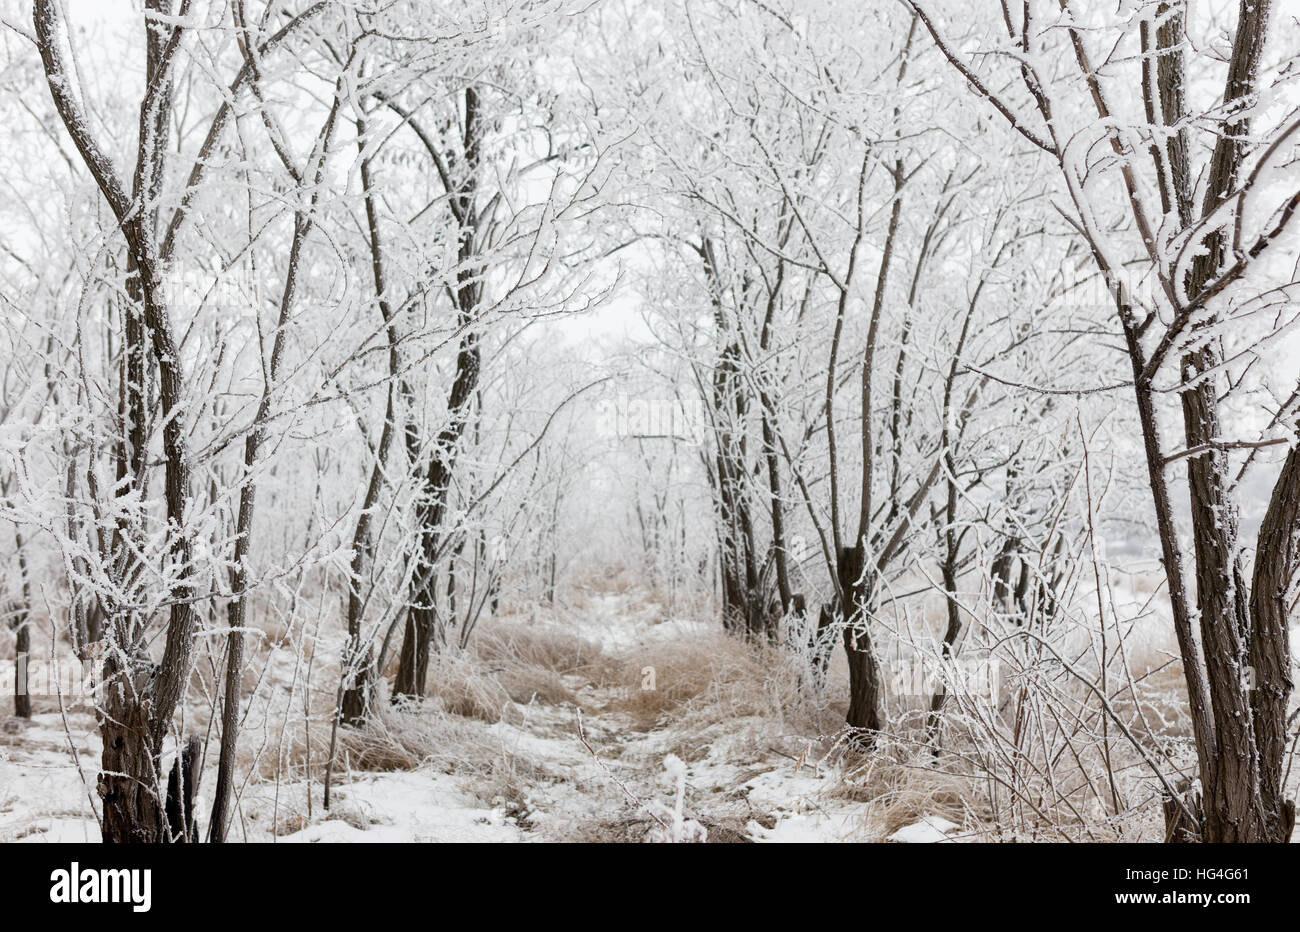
{"x":583,"y":764}
{"x":409,"y":807}
{"x":546,"y":783}
{"x":929,"y":830}
{"x":620,"y":622}
{"x":43,"y":795}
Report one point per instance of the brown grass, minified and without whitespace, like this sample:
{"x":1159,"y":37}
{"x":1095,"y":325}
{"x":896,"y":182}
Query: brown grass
{"x":525,"y":684}
{"x":421,"y":734}
{"x":460,"y":686}
{"x":705,"y":679}
{"x":504,"y":645}
{"x":899,"y":792}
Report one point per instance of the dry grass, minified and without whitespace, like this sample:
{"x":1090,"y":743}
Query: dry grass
{"x":701,"y":680}
{"x":525,"y":685}
{"x":509,"y":665}
{"x":531,"y":661}
{"x":898,"y":792}
{"x":394,"y":739}
{"x":712,"y":692}
{"x":461,"y":687}
{"x":414,"y":735}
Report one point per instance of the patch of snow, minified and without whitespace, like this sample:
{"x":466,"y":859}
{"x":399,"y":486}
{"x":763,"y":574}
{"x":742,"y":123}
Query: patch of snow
{"x":414,"y":806}
{"x":929,"y":830}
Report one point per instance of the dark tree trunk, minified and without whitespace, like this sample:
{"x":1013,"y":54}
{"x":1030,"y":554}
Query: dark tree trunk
{"x":744,"y":603}
{"x":1003,"y":563}
{"x":1233,"y":810}
{"x":128,"y":789}
{"x":1277,"y":556}
{"x":1239,"y":727}
{"x":864,"y":685}
{"x":413,"y":661}
{"x":1243,"y":801}
{"x":358,"y":685}
{"x":953,"y":630}
{"x":129,"y":779}
{"x":358,"y":657}
{"x":182,"y":785}
{"x":742,"y":600}
{"x":21,"y":622}
{"x":23,"y":647}
{"x":864,"y":713}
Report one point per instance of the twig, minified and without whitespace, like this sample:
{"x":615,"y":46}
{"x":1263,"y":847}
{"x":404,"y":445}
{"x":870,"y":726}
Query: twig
{"x":582,"y":736}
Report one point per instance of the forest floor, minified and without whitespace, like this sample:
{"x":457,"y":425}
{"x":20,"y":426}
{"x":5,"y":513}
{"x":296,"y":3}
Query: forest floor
{"x":562,"y":725}
{"x":603,"y":720}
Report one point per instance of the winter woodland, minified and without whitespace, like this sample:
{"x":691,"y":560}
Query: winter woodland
{"x":649,"y":420}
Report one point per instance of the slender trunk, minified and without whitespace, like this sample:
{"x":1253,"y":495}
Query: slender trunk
{"x":358,"y":660}
{"x":421,"y":620}
{"x":22,"y":636}
{"x":237,"y":611}
{"x":953,"y":631}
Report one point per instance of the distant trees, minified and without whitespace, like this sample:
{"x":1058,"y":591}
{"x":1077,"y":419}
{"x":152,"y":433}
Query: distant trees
{"x":816,"y":225}
{"x":489,"y":133}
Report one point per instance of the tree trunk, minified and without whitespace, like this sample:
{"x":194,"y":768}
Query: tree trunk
{"x":953,"y":631}
{"x":1277,"y":556}
{"x":864,"y":685}
{"x":135,"y":810}
{"x":358,"y":658}
{"x":129,"y":782}
{"x":864,"y":713}
{"x":22,"y":636}
{"x":1242,"y":802}
{"x":1233,"y":808}
{"x":358,"y":685}
{"x":23,"y":648}
{"x":413,"y":662}
{"x":182,"y":785}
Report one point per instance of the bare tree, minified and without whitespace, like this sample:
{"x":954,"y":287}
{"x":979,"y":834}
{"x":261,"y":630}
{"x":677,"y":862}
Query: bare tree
{"x":1206,"y":260}
{"x":142,"y":696}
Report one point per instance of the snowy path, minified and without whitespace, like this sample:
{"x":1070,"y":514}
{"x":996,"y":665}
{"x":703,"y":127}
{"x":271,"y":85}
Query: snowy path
{"x":543,"y":784}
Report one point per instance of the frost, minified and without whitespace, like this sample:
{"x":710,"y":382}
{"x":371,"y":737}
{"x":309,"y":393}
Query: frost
{"x":673,"y":825}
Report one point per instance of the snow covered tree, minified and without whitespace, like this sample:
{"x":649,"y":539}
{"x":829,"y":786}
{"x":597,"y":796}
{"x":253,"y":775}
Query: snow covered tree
{"x":1175,"y":193}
